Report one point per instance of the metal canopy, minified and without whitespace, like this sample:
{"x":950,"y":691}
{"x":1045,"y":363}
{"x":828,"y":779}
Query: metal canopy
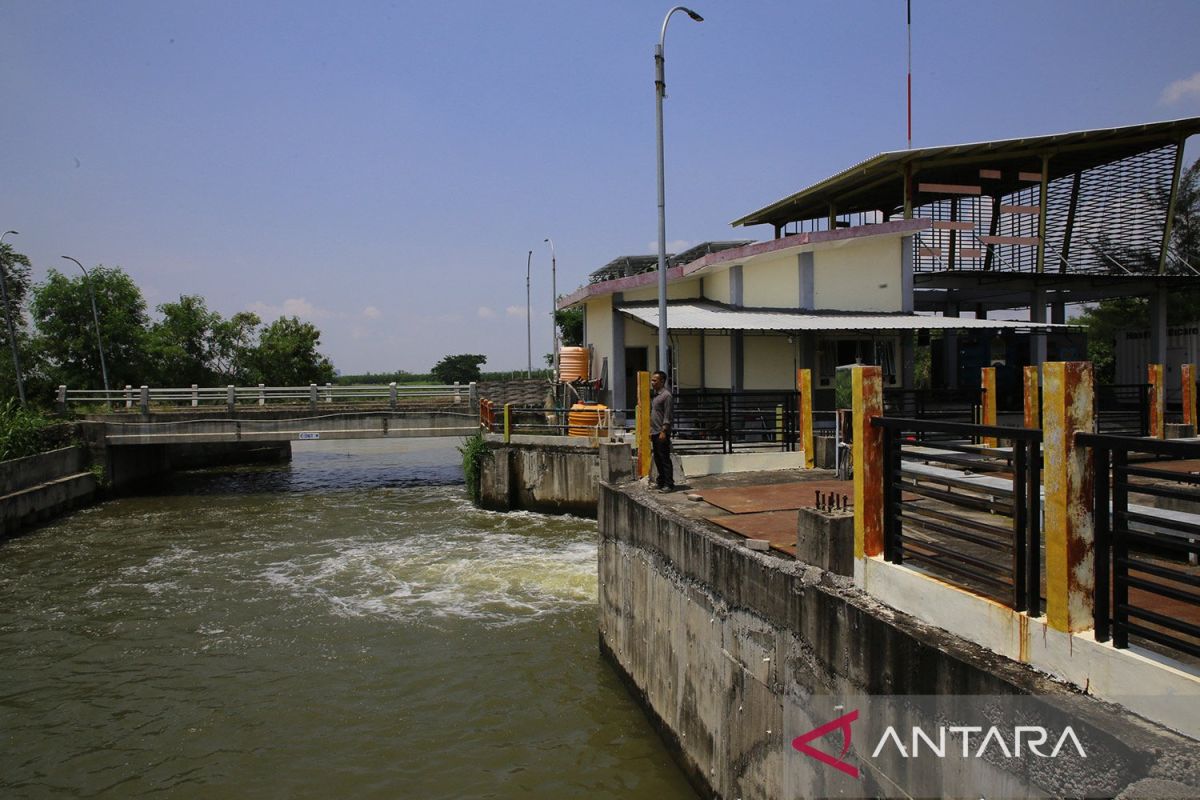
{"x":713,"y":317}
{"x":877,"y":184}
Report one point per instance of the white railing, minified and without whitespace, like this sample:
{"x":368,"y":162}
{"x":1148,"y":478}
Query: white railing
{"x":393,"y":395}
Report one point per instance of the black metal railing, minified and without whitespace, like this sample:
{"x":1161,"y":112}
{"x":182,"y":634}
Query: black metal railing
{"x":1123,"y":409}
{"x":1147,"y":584}
{"x":728,"y":422}
{"x":953,"y":523}
{"x":950,"y":405}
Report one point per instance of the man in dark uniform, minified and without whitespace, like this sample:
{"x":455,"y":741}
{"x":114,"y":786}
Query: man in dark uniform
{"x":660,"y":431}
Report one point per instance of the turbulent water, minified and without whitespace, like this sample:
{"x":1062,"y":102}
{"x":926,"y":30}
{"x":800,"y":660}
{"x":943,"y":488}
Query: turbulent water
{"x":344,"y":626}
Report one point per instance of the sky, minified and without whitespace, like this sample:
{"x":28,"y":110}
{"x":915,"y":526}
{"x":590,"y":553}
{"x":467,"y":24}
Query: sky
{"x":382,"y":169}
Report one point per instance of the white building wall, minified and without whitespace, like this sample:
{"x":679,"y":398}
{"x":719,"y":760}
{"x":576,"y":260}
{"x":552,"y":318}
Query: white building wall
{"x":771,"y":283}
{"x":687,"y":360}
{"x":717,"y":362}
{"x":598,"y":328}
{"x":678,"y":290}
{"x":769,"y":363}
{"x":865,"y":276}
{"x":716,"y":287}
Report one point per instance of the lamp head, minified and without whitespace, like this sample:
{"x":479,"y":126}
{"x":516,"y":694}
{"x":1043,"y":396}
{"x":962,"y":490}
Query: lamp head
{"x":694,"y":15}
{"x":14,"y":233}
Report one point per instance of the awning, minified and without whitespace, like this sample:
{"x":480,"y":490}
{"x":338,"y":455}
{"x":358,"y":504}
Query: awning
{"x":708,"y":317}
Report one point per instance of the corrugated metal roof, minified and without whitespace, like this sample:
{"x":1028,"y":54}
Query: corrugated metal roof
{"x":704,"y":316}
{"x":876,"y":183}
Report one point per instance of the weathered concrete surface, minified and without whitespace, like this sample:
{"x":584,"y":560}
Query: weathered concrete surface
{"x":42,"y":486}
{"x":556,"y":477}
{"x":729,"y":651}
{"x":825,"y":539}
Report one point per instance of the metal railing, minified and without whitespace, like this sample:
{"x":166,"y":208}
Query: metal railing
{"x":512,"y":420}
{"x":144,"y":398}
{"x":1146,"y":581}
{"x":981,"y":532}
{"x":949,"y":405}
{"x":1123,"y":409}
{"x":729,"y":422}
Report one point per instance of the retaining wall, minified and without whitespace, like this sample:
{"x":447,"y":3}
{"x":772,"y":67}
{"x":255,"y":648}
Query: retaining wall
{"x":551,"y":474}
{"x":733,"y":653}
{"x":38,"y":487}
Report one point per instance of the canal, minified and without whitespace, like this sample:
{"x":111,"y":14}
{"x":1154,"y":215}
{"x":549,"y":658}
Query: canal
{"x":345,"y":625}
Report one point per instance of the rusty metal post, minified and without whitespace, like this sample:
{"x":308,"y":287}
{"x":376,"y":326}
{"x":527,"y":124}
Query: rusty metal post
{"x":508,"y":422}
{"x":804,"y":389}
{"x":1033,"y":401}
{"x":1187,"y":374}
{"x":642,"y":424}
{"x":867,"y":387}
{"x":987,"y":381}
{"x":1067,"y":403}
{"x":1158,"y":399}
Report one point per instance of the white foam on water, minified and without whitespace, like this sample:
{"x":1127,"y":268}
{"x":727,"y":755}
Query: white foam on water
{"x":493,"y":575}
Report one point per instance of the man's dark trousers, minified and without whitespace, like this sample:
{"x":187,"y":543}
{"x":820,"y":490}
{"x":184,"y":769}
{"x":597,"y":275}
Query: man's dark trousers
{"x":662,"y":461}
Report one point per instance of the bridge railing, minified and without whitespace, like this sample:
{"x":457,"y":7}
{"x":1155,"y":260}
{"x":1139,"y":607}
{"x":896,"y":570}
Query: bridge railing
{"x":510,"y":419}
{"x":142,"y":399}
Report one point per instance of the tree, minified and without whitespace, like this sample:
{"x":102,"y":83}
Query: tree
{"x":462,"y":368}
{"x":16,"y":273}
{"x":62,"y":311}
{"x":287,"y":355}
{"x":181,"y":347}
{"x":234,"y":342}
{"x":570,"y":326}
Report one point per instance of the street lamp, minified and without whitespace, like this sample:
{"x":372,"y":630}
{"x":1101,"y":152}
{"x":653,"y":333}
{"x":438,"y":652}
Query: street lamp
{"x":553,"y":306}
{"x":12,"y":332}
{"x":528,"y":323}
{"x":660,"y":85}
{"x":87,"y":279}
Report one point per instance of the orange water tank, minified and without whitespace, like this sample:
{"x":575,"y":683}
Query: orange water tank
{"x":587,"y":419}
{"x":572,"y":364}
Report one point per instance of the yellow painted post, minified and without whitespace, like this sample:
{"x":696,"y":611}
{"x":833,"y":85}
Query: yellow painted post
{"x":507,"y":422}
{"x":1067,"y":403}
{"x":804,"y":387}
{"x":987,"y":380}
{"x":778,"y":424}
{"x":867,"y":385}
{"x":1158,"y":399}
{"x":1033,"y":401}
{"x":1187,"y":375}
{"x":642,"y":424}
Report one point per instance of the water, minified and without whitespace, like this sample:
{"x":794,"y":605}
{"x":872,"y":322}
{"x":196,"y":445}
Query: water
{"x":344,"y":626}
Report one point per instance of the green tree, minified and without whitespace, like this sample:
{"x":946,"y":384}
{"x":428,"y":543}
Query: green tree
{"x":570,"y":326}
{"x":234,"y":342}
{"x":287,"y":355}
{"x":463,"y":368}
{"x":17,"y":283}
{"x":181,"y":346}
{"x":62,"y":312}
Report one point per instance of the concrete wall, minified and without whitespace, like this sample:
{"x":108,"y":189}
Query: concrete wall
{"x":865,"y":277}
{"x":676,"y":290}
{"x":772,"y":282}
{"x":770,"y":363}
{"x":42,"y":486}
{"x":551,"y":474}
{"x":730,"y":651}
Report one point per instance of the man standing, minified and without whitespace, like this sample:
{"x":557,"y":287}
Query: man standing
{"x":660,"y":431}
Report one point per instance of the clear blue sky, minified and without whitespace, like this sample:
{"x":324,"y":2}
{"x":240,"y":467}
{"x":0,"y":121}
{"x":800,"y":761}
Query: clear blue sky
{"x":382,"y":168}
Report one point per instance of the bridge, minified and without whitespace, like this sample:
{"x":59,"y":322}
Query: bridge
{"x":253,"y":414}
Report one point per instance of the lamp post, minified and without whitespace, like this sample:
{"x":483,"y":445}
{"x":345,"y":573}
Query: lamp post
{"x":528,"y":321}
{"x":553,"y":306}
{"x":87,"y":279}
{"x":12,"y":331}
{"x":660,"y":85}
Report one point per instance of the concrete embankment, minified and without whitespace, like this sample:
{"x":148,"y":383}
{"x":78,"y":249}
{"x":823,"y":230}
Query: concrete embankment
{"x":42,"y":486}
{"x":736,"y":653}
{"x":550,"y":474}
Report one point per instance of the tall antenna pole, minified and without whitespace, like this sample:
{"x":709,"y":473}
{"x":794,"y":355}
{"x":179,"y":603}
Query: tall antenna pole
{"x":909,"y":74}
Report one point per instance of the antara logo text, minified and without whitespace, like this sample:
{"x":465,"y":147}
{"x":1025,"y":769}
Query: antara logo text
{"x":972,"y":741}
